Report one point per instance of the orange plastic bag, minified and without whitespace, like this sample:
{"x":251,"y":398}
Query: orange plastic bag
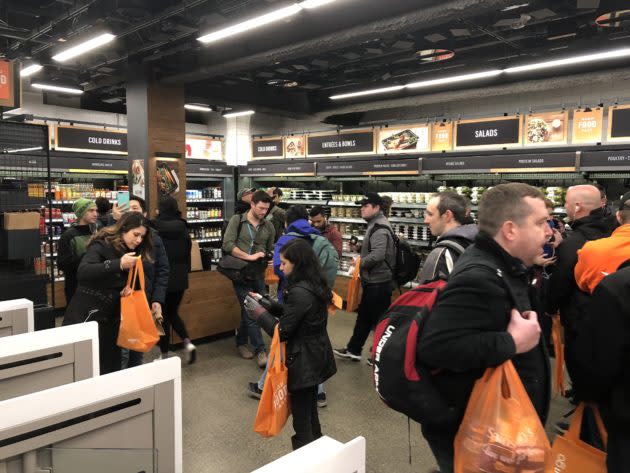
{"x":337,"y":303}
{"x":274,"y":407}
{"x":501,"y":431}
{"x":558,"y":348}
{"x":270,"y":276}
{"x":571,"y":455}
{"x":137,"y":330}
{"x":354,"y":288}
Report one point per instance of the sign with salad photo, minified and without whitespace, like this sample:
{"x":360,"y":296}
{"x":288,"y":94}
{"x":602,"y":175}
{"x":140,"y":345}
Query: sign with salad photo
{"x":546,"y":128}
{"x":167,"y":177}
{"x":398,"y":140}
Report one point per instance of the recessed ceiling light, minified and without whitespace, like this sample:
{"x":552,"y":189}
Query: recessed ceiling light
{"x":238,"y":114}
{"x":84,"y":47}
{"x":23,"y":150}
{"x":434,"y":55}
{"x":197,"y":107}
{"x":614,"y":19}
{"x":30,"y":70}
{"x":287,"y":83}
{"x":57,"y":88}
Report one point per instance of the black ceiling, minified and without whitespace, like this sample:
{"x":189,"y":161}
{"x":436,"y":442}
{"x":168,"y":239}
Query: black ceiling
{"x":345,"y":46}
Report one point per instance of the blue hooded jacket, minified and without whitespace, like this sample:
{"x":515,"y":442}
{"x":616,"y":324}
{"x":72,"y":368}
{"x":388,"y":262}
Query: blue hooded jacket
{"x":300,"y":226}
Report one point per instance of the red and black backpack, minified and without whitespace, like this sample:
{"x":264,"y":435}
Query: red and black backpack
{"x":402,"y":383}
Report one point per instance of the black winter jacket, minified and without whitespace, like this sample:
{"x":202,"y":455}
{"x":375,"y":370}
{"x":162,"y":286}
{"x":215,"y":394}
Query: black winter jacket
{"x":100,"y":282}
{"x":177,"y":243}
{"x":72,"y":247}
{"x":156,"y":272}
{"x":563,"y":293}
{"x":303,"y":321}
{"x":603,"y":348}
{"x":467,"y":330}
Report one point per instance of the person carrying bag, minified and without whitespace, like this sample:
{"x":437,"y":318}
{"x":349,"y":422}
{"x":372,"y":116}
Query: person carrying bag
{"x":501,"y":430}
{"x":274,"y":408}
{"x":137,"y":331}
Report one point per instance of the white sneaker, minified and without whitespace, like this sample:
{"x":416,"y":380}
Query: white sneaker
{"x":191,"y":353}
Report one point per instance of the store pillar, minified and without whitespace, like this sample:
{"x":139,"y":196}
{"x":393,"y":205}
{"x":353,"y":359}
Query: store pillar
{"x":156,"y":139}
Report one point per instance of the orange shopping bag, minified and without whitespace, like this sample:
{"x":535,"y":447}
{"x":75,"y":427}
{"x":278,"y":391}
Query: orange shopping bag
{"x":137,"y":330}
{"x":501,"y":431}
{"x":270,"y":276}
{"x":354,"y":288}
{"x":336,"y":303}
{"x":558,"y":348}
{"x":274,"y":407}
{"x":572,"y":455}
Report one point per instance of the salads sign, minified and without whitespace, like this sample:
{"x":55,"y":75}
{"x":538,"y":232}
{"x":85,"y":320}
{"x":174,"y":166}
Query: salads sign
{"x":546,"y":128}
{"x":488,"y":133}
{"x":398,"y":140}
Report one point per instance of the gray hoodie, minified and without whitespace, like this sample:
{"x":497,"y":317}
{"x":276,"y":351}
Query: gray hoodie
{"x":378,"y":255}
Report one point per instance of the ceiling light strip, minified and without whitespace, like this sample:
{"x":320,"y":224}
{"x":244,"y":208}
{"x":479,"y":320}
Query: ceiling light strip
{"x":56,"y":88}
{"x":84,"y":47}
{"x":238,"y":114}
{"x":262,"y":20}
{"x":30,"y":70}
{"x":587,"y":58}
{"x":197,"y":108}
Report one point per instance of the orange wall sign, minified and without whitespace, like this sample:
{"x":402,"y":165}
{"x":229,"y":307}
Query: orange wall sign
{"x":587,"y":125}
{"x":442,"y":137}
{"x":6,"y":84}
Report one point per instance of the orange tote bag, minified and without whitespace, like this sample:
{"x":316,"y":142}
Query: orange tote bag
{"x":270,"y":276}
{"x":137,"y":330}
{"x":501,"y":431}
{"x":354,"y":288}
{"x":558,"y":348}
{"x":274,"y":407}
{"x":571,"y":455}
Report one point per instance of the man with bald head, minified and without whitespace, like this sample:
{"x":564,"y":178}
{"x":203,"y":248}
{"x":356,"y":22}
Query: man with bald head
{"x":588,"y":222}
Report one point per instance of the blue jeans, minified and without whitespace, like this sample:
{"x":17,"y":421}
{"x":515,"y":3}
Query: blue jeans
{"x":321,"y":389}
{"x":249,"y":329}
{"x":130,"y":358}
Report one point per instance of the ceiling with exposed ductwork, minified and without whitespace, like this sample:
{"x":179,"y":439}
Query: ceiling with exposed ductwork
{"x":292,"y":67}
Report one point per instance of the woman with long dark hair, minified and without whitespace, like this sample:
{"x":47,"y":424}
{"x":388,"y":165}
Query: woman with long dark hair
{"x":174,"y":233}
{"x":302,"y":321}
{"x":102,"y":276}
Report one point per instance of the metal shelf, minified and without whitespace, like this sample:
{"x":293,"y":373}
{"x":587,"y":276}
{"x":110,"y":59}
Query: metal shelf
{"x":206,"y":220}
{"x":413,"y":220}
{"x":69,"y":202}
{"x":347,"y":220}
{"x":304,"y":202}
{"x":338,"y":203}
{"x":48,"y":255}
{"x":349,"y":254}
{"x":203,"y":201}
{"x":401,"y":205}
{"x":207,"y":240}
{"x":347,"y":237}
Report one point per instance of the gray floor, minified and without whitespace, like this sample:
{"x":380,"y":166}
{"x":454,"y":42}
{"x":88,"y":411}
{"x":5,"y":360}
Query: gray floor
{"x":218,"y":415}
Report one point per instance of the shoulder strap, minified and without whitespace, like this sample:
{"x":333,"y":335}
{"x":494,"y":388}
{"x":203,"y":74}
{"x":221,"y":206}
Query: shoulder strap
{"x":429,"y":271}
{"x":451,"y":245}
{"x":376,"y":227}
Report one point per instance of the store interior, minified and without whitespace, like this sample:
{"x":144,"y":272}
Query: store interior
{"x":324,"y":99}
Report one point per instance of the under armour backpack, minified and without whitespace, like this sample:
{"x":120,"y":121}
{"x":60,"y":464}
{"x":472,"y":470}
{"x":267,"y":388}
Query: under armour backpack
{"x":407,"y":260}
{"x":401,"y":382}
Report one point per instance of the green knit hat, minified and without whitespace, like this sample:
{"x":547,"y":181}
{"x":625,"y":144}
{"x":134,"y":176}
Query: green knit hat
{"x":81,"y":206}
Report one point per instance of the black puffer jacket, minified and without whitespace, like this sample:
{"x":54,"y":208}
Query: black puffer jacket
{"x":563,"y":293}
{"x":174,"y":234}
{"x":467,"y":330}
{"x":156,"y":272}
{"x":303,"y":321}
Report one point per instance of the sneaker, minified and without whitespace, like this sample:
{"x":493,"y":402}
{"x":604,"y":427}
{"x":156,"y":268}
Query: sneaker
{"x":261,"y":359}
{"x":245,"y":352}
{"x":321,"y":400}
{"x":369,"y":362}
{"x":344,"y":353}
{"x":253,"y":390}
{"x":191,"y":353}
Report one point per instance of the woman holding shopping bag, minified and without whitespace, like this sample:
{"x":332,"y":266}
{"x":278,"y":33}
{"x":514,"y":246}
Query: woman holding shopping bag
{"x":102,"y":277}
{"x":302,"y":320}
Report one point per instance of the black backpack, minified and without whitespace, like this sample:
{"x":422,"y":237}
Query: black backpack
{"x":407,"y":260}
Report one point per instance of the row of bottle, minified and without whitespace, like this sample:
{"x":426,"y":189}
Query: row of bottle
{"x":37,"y":189}
{"x":83,"y":189}
{"x":205,"y":193}
{"x":204,"y":232}
{"x":42,"y":266}
{"x":193,"y":213}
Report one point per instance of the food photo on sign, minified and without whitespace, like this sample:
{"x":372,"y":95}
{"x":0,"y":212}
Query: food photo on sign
{"x":546,"y":128}
{"x":167,"y":179}
{"x":295,"y":146}
{"x":204,"y":148}
{"x":137,"y":171}
{"x":403,"y":139}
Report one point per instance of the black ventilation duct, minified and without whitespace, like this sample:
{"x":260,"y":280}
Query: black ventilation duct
{"x":346,"y":119}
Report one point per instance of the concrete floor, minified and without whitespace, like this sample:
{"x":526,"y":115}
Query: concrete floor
{"x":218,"y":415}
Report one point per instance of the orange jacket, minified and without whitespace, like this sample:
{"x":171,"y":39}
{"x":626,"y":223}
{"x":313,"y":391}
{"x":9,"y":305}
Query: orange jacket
{"x":599,"y":258}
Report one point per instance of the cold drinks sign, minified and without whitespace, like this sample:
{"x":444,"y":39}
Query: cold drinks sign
{"x":70,"y":138}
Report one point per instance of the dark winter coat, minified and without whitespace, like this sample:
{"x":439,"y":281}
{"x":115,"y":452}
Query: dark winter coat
{"x":302,"y":324}
{"x":603,"y":348}
{"x":156,"y":272}
{"x":71,"y":248}
{"x":563,"y":293}
{"x":467,"y":330}
{"x":177,"y":243}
